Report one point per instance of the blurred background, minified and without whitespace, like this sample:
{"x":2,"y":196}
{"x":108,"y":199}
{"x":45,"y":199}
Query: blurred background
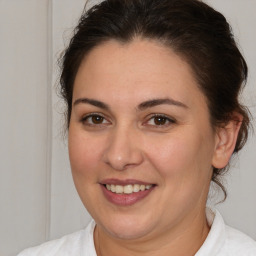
{"x":38,"y":200}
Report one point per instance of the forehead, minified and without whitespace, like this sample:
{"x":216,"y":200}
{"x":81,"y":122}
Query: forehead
{"x":142,"y":67}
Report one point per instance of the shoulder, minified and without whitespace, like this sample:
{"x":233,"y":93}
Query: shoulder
{"x":223,"y":240}
{"x":63,"y":246}
{"x":238,"y":243}
{"x":71,"y":244}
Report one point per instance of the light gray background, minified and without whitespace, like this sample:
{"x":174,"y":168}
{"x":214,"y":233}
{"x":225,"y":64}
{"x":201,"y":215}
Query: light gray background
{"x":37,"y":198}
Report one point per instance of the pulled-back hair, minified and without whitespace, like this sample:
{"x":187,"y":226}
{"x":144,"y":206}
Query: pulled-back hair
{"x":192,"y":29}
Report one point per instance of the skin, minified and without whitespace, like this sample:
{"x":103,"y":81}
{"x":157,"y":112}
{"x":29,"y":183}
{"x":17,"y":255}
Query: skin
{"x":128,"y":143}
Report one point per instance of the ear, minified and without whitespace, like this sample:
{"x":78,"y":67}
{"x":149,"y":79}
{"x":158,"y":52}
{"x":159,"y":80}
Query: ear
{"x":225,"y":141}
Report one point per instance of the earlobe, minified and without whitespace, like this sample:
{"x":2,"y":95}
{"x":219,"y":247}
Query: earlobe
{"x":226,"y":138}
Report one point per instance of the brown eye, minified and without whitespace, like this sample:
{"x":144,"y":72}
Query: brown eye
{"x":97,"y":119}
{"x":94,"y":119}
{"x":160,"y":120}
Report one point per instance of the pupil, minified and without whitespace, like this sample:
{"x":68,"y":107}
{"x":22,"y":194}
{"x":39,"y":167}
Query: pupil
{"x":160,"y":120}
{"x":97,"y":119}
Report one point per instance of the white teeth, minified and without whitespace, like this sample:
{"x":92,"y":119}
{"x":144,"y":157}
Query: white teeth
{"x":119,"y":189}
{"x":127,"y":189}
{"x":112,"y":188}
{"x":142,"y":187}
{"x":136,"y":188}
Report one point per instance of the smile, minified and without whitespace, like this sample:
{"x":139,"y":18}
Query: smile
{"x":127,"y":189}
{"x":126,"y":192}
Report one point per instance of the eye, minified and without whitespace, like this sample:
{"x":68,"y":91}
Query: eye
{"x":160,"y":120}
{"x":94,"y":119}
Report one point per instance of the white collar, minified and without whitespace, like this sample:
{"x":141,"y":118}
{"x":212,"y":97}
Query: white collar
{"x":217,"y":235}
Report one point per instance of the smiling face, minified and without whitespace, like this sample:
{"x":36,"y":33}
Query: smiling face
{"x":140,"y":127}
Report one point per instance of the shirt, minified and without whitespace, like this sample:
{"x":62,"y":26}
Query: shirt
{"x":222,"y":240}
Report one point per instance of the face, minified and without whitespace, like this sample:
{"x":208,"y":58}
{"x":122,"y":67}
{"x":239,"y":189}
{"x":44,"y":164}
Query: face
{"x":140,"y":140}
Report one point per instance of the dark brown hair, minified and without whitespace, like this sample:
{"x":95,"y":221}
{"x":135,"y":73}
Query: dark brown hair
{"x":191,"y":28}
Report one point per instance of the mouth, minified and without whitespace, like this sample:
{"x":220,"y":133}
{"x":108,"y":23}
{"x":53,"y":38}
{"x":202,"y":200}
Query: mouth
{"x":126,"y":193}
{"x":127,"y":189}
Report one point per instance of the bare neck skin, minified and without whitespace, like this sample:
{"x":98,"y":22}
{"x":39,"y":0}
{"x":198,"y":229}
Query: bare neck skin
{"x":185,"y":239}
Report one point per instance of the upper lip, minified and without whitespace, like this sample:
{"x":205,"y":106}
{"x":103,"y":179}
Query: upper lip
{"x":124,"y":182}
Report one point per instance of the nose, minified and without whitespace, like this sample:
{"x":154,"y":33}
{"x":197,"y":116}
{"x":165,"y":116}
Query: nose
{"x":123,"y":150}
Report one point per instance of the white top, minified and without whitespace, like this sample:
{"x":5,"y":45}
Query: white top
{"x":222,"y":240}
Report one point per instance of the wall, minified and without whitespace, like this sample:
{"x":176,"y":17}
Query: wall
{"x":37,"y":197}
{"x":25,"y":116}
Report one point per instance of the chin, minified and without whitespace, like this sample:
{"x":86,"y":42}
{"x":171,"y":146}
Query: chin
{"x":127,"y":228}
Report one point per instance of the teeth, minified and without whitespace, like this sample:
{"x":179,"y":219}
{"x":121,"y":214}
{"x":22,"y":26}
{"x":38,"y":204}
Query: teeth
{"x":142,"y":187}
{"x":113,"y":188}
{"x":127,"y":189}
{"x":119,"y":189}
{"x":136,"y":188}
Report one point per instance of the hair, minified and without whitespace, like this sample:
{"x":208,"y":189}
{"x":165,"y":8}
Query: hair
{"x":192,"y":29}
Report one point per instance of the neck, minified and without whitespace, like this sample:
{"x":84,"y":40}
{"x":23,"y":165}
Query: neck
{"x":184,"y":239}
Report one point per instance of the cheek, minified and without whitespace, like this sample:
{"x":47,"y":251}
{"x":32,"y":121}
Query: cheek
{"x":84,"y":155}
{"x":184,"y":166}
{"x":181,"y":156}
{"x":169,"y":155}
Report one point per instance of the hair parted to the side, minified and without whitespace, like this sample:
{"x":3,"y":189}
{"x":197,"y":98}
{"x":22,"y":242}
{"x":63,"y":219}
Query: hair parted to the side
{"x":191,"y":28}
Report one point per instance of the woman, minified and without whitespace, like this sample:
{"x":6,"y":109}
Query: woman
{"x":153,"y":117}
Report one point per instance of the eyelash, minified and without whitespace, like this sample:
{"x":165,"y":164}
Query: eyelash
{"x":166,"y":118}
{"x":84,"y":119}
{"x":170,"y":121}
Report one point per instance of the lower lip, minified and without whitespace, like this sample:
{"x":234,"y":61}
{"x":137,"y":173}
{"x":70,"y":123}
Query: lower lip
{"x":125,"y":199}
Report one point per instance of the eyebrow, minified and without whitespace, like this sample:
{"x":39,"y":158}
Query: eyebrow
{"x":95,"y":103}
{"x":142,"y":106}
{"x":157,"y":102}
